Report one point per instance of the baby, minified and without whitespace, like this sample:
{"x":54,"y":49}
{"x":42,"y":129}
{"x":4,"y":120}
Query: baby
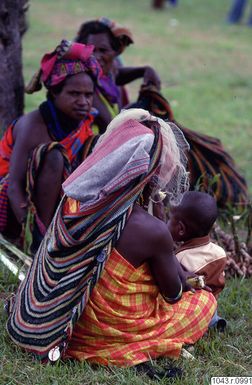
{"x":190,"y":223}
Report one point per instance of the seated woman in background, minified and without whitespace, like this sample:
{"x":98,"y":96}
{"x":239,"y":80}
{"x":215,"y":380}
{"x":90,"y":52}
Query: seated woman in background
{"x":110,"y":40}
{"x":107,"y":284}
{"x":210,"y":166}
{"x":41,"y":148}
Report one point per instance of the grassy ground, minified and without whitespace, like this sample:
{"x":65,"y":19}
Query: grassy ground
{"x":206,"y":72}
{"x":217,"y":354}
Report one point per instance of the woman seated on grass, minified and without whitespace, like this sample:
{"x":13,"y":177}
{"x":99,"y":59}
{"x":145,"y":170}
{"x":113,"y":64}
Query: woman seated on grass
{"x":105,"y":285}
{"x":40,"y":149}
{"x":209,"y":164}
{"x":110,"y":40}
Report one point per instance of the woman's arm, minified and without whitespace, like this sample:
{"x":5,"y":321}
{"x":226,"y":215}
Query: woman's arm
{"x":164,"y":266}
{"x":126,"y":75}
{"x":26,"y":137}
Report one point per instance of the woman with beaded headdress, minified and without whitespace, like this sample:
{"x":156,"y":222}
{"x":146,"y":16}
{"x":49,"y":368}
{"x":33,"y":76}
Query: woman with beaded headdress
{"x":40,"y":149}
{"x":105,"y":285}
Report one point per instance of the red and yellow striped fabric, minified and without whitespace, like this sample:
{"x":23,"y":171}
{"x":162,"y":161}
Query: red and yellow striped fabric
{"x":126,"y":320}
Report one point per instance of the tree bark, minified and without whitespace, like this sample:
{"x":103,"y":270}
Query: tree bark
{"x":12,"y":26}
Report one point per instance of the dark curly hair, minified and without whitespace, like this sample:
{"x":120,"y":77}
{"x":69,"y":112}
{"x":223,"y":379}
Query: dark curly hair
{"x":93,"y":28}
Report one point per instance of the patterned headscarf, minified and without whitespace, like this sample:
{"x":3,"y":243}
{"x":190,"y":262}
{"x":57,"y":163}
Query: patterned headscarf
{"x":67,"y":59}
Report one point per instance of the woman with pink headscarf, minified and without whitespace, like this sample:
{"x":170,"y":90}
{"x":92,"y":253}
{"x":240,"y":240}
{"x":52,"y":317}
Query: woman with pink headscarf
{"x":39,"y":150}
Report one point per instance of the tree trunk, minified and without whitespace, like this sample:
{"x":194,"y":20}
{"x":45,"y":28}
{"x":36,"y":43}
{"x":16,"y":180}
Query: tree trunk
{"x":12,"y":26}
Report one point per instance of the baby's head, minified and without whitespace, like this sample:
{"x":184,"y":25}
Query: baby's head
{"x":193,"y":217}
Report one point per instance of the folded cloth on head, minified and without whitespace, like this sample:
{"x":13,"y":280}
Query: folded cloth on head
{"x":114,"y":164}
{"x":68,"y":58}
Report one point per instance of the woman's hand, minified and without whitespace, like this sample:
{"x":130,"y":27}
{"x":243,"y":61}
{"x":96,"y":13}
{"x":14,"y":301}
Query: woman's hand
{"x":184,"y":275}
{"x":151,"y":78}
{"x":126,"y":75}
{"x":194,"y":282}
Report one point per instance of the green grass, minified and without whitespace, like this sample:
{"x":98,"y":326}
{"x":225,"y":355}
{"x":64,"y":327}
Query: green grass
{"x":217,"y":354}
{"x":206,"y":72}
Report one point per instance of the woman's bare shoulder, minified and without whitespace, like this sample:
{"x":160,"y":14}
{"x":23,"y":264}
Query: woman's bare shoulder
{"x":31,"y":119}
{"x":143,"y":236}
{"x":32,"y":126}
{"x":147,"y":224}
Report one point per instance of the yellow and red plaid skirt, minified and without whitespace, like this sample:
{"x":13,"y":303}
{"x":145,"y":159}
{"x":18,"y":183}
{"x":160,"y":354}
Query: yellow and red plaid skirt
{"x":127,"y":321}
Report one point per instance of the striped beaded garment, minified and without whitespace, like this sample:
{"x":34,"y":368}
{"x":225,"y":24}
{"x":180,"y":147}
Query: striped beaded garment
{"x":72,"y":255}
